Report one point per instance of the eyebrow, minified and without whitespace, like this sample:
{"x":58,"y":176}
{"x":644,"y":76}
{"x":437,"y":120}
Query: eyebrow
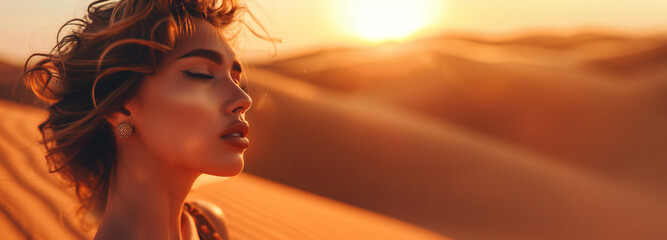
{"x":205,"y":53}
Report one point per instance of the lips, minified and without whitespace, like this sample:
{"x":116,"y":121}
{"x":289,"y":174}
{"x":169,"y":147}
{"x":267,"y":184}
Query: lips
{"x":235,"y":134}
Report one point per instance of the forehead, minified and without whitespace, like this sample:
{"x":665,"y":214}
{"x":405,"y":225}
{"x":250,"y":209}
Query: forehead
{"x":205,"y":36}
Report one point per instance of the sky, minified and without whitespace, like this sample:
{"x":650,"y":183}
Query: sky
{"x":304,"y":25}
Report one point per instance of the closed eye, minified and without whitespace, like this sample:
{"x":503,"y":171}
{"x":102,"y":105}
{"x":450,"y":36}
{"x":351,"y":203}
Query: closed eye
{"x":200,"y":76}
{"x":205,"y":77}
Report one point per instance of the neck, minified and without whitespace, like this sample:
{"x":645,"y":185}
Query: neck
{"x":145,"y":197}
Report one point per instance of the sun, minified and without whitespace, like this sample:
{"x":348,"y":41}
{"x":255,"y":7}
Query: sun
{"x":382,"y":20}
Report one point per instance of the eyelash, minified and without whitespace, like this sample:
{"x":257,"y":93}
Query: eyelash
{"x":205,"y":78}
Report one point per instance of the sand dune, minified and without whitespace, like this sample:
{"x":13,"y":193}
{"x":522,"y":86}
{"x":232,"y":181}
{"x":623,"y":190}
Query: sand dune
{"x":544,"y":99}
{"x":33,"y":205}
{"x":593,"y":139}
{"x":437,"y":175}
{"x":642,"y":62}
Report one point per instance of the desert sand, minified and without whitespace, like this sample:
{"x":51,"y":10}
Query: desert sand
{"x":536,"y":137}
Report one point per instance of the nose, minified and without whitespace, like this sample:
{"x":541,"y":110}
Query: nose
{"x":239,"y":103}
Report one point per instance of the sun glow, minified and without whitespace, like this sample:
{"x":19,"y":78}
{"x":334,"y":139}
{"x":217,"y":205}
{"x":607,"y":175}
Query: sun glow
{"x":381,"y":20}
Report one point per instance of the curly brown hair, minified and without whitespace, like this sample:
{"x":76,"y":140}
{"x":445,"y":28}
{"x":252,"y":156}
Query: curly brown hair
{"x":96,"y":68}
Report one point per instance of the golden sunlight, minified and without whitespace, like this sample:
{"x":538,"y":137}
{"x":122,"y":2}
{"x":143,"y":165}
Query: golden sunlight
{"x":381,"y":20}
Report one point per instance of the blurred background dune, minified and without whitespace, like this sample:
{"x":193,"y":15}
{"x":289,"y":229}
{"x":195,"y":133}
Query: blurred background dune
{"x":490,"y":120}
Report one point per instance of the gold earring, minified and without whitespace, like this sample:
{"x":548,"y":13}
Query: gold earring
{"x":124,"y":129}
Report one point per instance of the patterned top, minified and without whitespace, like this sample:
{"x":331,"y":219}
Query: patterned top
{"x":205,"y":228}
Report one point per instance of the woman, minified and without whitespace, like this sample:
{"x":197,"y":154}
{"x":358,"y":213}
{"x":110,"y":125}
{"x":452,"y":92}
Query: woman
{"x":145,"y":96}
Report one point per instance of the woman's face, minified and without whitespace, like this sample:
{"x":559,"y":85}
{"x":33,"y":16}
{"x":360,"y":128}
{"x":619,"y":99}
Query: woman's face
{"x":182,"y":112}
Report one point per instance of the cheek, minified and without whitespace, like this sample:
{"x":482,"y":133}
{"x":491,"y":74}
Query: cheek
{"x":179,"y":123}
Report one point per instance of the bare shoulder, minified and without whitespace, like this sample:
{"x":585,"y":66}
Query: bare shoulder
{"x":213,"y":213}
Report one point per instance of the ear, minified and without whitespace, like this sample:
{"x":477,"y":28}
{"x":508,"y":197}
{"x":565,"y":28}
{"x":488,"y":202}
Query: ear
{"x":124,"y":112}
{"x":122,"y":115}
